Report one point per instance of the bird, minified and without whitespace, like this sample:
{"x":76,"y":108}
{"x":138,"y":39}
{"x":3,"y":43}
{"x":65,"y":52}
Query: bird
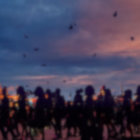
{"x":132,"y":38}
{"x":115,"y":14}
{"x":36,"y":49}
{"x":70,"y":27}
{"x":24,"y":55}
{"x":43,"y":65}
{"x":26,"y":36}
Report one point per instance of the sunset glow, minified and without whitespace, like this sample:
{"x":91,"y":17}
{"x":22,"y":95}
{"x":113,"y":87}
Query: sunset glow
{"x":70,"y":44}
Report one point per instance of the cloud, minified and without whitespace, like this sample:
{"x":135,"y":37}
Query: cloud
{"x":68,"y":54}
{"x":36,"y":77}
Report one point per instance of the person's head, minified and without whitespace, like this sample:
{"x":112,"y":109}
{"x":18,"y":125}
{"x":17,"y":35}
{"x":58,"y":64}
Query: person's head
{"x":21,"y":92}
{"x":39,"y":92}
{"x":89,"y":91}
{"x":4,"y":91}
{"x":108,"y":93}
{"x":78,"y":92}
{"x":138,"y":91}
{"x":48,"y":91}
{"x":102,"y":90}
{"x":127,"y":94}
{"x":57,"y":92}
{"x":48,"y":94}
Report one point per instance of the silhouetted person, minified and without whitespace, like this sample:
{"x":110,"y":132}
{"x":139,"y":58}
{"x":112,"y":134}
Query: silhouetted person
{"x":48,"y":107}
{"x":100,"y":103}
{"x":7,"y":116}
{"x":22,"y":111}
{"x":78,"y":111}
{"x":86,"y":127}
{"x":137,"y":110}
{"x":126,"y":112}
{"x":40,"y":111}
{"x":109,"y":105}
{"x":31,"y":122}
{"x":4,"y":112}
{"x":134,"y":118}
{"x":96,"y":126}
{"x":69,"y":118}
{"x":12,"y":125}
{"x":91,"y":123}
{"x":58,"y":114}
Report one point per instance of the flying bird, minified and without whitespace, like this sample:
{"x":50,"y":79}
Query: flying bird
{"x":43,"y":65}
{"x":115,"y":14}
{"x":24,"y":55}
{"x":36,"y":49}
{"x":26,"y":36}
{"x":72,"y":26}
{"x":132,"y":38}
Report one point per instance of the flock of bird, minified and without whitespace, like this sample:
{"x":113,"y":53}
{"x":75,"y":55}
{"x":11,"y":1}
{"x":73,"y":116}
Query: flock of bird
{"x":70,"y":27}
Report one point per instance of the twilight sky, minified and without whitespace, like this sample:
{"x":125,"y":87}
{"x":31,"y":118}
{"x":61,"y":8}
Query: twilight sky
{"x":69,"y":55}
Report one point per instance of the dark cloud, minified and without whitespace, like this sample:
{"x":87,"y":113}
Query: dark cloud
{"x":69,"y":54}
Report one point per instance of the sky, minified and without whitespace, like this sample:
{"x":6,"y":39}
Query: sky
{"x":97,"y":50}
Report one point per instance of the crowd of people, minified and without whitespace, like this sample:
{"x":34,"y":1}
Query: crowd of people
{"x":83,"y":117}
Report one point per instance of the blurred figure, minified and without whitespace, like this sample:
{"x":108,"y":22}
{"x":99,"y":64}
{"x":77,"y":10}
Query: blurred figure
{"x":137,"y":110}
{"x":78,"y":111}
{"x":12,"y":124}
{"x":4,"y":113}
{"x":90,"y":121}
{"x":48,"y":108}
{"x":133,"y":118}
{"x":100,"y":103}
{"x":69,"y":118}
{"x":126,"y":125}
{"x":22,"y":116}
{"x":31,"y":123}
{"x":87,"y":117}
{"x":40,"y":111}
{"x":58,"y":114}
{"x":109,"y":105}
{"x":96,"y":126}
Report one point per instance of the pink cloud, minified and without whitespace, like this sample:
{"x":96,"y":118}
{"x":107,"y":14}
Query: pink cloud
{"x":97,"y":30}
{"x":40,"y":77}
{"x":75,"y":80}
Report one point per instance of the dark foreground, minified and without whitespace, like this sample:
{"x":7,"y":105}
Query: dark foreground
{"x":50,"y":135}
{"x":50,"y":117}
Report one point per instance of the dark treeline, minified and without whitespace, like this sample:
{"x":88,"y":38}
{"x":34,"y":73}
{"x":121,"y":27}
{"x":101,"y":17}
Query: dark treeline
{"x":85,"y":118}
